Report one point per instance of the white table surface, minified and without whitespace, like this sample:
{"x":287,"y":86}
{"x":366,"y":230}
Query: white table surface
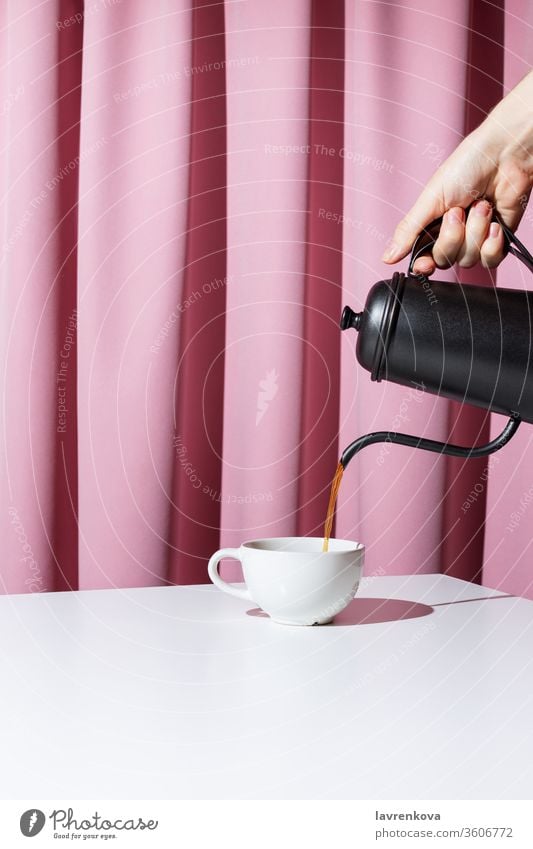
{"x":175,"y":692}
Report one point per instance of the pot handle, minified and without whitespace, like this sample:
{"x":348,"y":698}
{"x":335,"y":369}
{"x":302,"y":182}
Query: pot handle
{"x":427,"y":238}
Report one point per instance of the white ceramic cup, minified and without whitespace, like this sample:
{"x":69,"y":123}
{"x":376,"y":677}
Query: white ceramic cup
{"x":292,"y":579}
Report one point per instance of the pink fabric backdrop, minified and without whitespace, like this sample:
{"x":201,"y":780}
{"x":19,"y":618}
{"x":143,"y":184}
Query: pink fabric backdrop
{"x":174,"y":259}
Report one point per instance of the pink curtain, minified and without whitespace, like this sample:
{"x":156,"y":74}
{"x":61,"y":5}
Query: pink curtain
{"x":418,"y":77}
{"x":190,"y":194}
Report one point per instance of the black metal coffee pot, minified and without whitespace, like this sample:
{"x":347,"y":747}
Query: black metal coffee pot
{"x":470,"y":343}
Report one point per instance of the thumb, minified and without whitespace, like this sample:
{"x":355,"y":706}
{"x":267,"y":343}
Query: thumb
{"x":430,"y":205}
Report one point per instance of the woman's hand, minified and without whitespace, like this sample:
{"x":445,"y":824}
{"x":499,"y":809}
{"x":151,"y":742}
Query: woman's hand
{"x":493,"y":166}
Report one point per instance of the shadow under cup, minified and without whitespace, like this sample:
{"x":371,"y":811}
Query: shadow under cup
{"x":292,"y":579}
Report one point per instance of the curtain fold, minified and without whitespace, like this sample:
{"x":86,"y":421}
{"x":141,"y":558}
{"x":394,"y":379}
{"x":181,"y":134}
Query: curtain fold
{"x":190,"y":194}
{"x":40,"y":97}
{"x":463,"y":539}
{"x":199,"y":377}
{"x":320,"y":379}
{"x":508,"y":556}
{"x":404,"y":112}
{"x":134,"y":186}
{"x":268,"y":137}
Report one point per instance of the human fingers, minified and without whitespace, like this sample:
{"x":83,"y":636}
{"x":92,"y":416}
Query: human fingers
{"x":492,"y":249}
{"x":476,"y":231}
{"x":428,"y":207}
{"x":451,"y":237}
{"x":425,"y":265}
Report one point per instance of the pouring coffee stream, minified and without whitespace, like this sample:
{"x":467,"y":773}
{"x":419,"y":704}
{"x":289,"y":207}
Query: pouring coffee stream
{"x":473,"y":344}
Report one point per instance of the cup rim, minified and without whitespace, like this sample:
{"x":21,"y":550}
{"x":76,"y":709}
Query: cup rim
{"x":349,"y":545}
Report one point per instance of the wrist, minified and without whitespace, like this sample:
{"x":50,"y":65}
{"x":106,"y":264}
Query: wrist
{"x":507,"y":132}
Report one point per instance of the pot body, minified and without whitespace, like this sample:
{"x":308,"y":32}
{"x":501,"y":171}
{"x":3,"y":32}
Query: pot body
{"x":469,"y":343}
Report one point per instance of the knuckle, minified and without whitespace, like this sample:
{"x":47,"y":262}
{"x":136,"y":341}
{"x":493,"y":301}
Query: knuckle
{"x":403,"y":226}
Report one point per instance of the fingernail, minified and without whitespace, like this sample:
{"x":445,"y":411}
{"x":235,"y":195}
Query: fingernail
{"x":483,"y":208}
{"x":390,"y":251}
{"x":494,"y":230}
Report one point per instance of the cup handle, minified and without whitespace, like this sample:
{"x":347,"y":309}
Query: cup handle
{"x":217,"y":580}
